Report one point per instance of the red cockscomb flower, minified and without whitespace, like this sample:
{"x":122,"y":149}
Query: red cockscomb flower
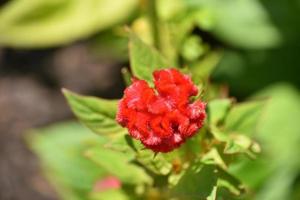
{"x":164,"y":118}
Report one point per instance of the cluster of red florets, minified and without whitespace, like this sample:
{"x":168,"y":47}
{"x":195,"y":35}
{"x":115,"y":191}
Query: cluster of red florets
{"x":163,"y":119}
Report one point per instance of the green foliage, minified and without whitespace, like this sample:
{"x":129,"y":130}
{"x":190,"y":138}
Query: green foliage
{"x":273,"y":173}
{"x":244,"y":117}
{"x":110,"y":195}
{"x":214,"y":158}
{"x":97,"y":114}
{"x":212,"y":165}
{"x":202,"y":69}
{"x":48,"y":23}
{"x":213,"y":195}
{"x":60,"y":148}
{"x":193,"y":48}
{"x":157,"y":164}
{"x":280,"y":135}
{"x":232,"y":123}
{"x":197,"y":182}
{"x":244,"y":24}
{"x":144,"y":59}
{"x":217,"y":110}
{"x":118,"y":164}
{"x":201,"y":172}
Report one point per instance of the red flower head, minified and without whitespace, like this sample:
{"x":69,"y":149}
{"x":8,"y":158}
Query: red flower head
{"x":164,"y":118}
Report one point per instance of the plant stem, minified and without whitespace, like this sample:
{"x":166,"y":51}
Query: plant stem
{"x":154,"y":21}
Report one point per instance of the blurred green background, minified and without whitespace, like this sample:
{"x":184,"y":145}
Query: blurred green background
{"x":81,"y":45}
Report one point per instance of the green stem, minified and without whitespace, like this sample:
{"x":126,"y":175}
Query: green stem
{"x":154,"y":21}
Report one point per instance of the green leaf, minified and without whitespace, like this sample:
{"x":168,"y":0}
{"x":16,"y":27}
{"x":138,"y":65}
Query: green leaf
{"x":241,"y":23}
{"x":219,"y":134}
{"x":202,"y":69}
{"x":239,"y":143}
{"x":155,"y":163}
{"x":249,"y":26}
{"x":238,"y":122}
{"x":252,"y":173}
{"x":112,"y":194}
{"x":97,"y":114}
{"x":193,"y":48}
{"x":213,"y":195}
{"x":48,"y":23}
{"x":217,"y":110}
{"x":196,"y":183}
{"x":230,"y":182}
{"x":243,"y":117}
{"x":118,"y":164}
{"x":236,"y":143}
{"x":279,"y":131}
{"x":213,"y":158}
{"x":279,"y":135}
{"x":144,"y":59}
{"x":278,"y":186}
{"x":120,"y":144}
{"x":271,"y":175}
{"x":60,"y":149}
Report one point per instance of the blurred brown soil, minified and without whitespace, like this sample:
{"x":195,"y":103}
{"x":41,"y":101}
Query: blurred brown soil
{"x":30,"y":83}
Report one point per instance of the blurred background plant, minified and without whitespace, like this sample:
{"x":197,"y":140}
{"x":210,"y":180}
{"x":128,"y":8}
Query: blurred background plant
{"x":250,"y":47}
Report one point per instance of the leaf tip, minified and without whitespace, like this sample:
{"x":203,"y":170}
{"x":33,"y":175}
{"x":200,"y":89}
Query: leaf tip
{"x":69,"y":95}
{"x":65,"y":91}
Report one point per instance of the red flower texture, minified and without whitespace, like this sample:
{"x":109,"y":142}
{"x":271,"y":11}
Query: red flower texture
{"x":162,"y":118}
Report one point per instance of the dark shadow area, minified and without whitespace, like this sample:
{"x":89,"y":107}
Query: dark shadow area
{"x":247,"y":71}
